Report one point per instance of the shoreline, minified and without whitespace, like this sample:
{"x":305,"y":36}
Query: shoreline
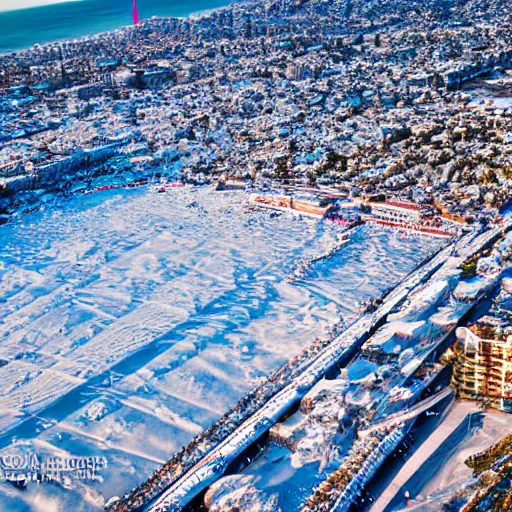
{"x":193,"y":15}
{"x":48,"y":3}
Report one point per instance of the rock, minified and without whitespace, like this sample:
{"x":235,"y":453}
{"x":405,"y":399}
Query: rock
{"x":473,"y":192}
{"x":506,"y":284}
{"x":489,"y":198}
{"x":237,"y":493}
{"x":447,"y":171}
{"x":359,"y":39}
{"x":289,"y":432}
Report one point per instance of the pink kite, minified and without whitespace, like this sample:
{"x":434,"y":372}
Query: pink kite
{"x":135,"y":13}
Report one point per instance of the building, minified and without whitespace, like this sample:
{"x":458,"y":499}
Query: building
{"x":482,"y":368}
{"x":396,"y":211}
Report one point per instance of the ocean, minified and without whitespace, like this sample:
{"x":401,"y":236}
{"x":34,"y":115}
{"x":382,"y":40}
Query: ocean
{"x":24,"y":23}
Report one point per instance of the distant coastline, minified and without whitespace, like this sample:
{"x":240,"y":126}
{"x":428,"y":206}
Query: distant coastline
{"x":46,"y":21}
{"x":21,"y":5}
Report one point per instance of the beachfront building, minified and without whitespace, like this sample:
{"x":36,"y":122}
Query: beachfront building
{"x":482,"y":367}
{"x":396,"y":211}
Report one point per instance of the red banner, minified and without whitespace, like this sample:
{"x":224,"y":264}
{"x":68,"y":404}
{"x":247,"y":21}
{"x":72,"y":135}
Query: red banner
{"x":135,"y":13}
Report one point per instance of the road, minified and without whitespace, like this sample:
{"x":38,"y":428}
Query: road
{"x":457,"y":415}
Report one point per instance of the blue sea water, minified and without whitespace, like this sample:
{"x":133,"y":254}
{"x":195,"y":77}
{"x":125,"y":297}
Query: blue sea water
{"x":73,"y":19}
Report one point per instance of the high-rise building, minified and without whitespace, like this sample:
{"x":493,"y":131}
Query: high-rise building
{"x":482,"y":367}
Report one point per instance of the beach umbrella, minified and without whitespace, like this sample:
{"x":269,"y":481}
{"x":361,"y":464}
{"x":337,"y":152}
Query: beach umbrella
{"x":135,"y":13}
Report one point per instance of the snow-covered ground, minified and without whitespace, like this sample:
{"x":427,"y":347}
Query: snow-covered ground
{"x":130,"y":321}
{"x":445,"y":472}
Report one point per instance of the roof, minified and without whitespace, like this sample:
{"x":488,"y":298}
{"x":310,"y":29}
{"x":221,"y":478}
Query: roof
{"x":403,"y":204}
